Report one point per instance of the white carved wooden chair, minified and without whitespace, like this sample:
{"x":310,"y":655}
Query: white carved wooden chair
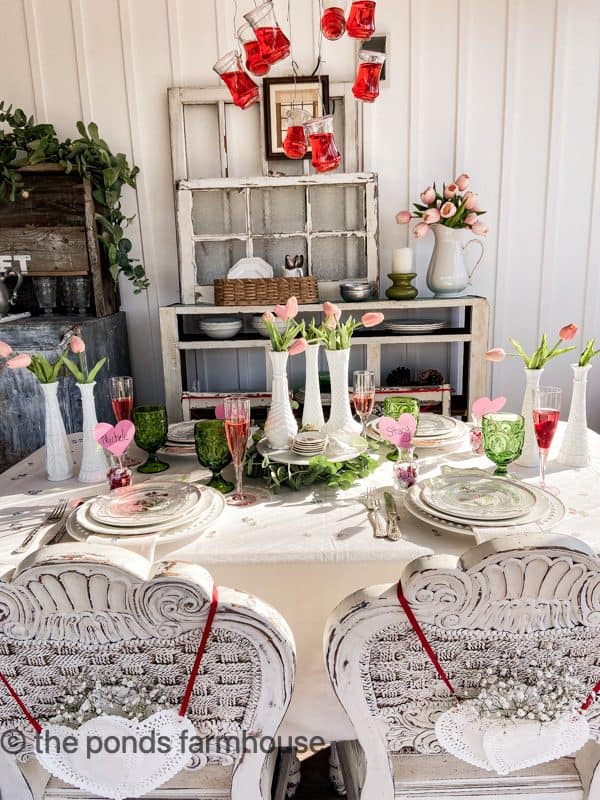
{"x":510,"y":599}
{"x":68,"y":611}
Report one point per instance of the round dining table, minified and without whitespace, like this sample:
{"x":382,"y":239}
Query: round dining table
{"x":305,"y":551}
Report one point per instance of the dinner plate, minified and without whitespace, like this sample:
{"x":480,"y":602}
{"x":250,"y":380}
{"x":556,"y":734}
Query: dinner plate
{"x":253,"y":267}
{"x":445,"y":441}
{"x":151,"y":503}
{"x":182,"y":432}
{"x":435,"y":426}
{"x":414,"y":325}
{"x":339,"y":449}
{"x":481,"y":497}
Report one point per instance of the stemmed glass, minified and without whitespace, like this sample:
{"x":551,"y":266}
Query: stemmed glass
{"x":237,"y":428}
{"x":546,"y":413}
{"x":212,"y":450}
{"x":121,"y":397}
{"x":151,"y":428}
{"x":503,"y":437}
{"x":364,"y":396}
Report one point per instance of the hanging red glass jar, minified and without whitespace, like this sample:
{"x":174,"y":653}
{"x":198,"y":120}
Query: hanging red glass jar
{"x":274,"y":44}
{"x":361,"y":19}
{"x":325,"y":155}
{"x":295,"y":143}
{"x":333,"y":19}
{"x":366,"y":85}
{"x":244,"y":92}
{"x":255,"y":63}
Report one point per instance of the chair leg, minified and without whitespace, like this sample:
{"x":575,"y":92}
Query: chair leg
{"x":348,"y":764}
{"x":289,"y":774}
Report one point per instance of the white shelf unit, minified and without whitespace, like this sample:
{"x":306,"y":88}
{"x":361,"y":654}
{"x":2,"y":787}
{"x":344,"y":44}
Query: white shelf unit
{"x":472,"y":333}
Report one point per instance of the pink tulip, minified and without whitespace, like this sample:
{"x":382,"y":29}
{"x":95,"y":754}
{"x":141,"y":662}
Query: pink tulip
{"x":421,"y":230}
{"x":428,"y":196}
{"x":331,"y":323}
{"x":371,"y":319}
{"x":463,"y":181}
{"x":292,"y":307}
{"x":471,"y":218}
{"x":331,"y":310}
{"x":568,"y":332}
{"x":19,"y":362}
{"x":472,"y":201}
{"x":431,"y":216}
{"x":480,"y":229}
{"x":268,"y":317}
{"x":448,"y":210}
{"x":297,"y":347}
{"x":495,"y":354}
{"x":77,"y":345}
{"x":450,"y":191}
{"x":5,"y":350}
{"x":403,"y":217}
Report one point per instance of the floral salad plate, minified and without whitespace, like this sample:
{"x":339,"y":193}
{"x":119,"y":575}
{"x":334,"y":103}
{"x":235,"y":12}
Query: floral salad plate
{"x":478,"y":496}
{"x":152,"y":503}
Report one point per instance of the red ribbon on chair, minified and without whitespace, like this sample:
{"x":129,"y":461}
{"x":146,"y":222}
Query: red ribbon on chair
{"x":26,"y":712}
{"x":201,"y":648}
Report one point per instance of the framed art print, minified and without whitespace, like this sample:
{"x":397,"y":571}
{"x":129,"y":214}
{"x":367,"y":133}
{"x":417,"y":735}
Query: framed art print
{"x":282,"y":95}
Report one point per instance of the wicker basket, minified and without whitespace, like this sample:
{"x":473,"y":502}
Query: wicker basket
{"x":265,"y":291}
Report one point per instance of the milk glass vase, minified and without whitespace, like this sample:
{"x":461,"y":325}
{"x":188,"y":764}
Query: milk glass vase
{"x":59,"y":462}
{"x":340,"y":419}
{"x":530,"y":455}
{"x":575,"y":448}
{"x":93,"y":460}
{"x":281,"y":425}
{"x":312,"y":414}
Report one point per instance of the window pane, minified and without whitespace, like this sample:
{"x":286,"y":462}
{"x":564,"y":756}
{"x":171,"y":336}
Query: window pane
{"x":221,"y":211}
{"x":338,"y":257}
{"x":338,"y":208}
{"x":215,"y":259}
{"x":281,"y":210}
{"x":274,"y":251}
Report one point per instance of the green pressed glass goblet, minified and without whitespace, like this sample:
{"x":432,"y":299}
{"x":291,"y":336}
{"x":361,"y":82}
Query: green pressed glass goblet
{"x":503,"y":437}
{"x":394,"y":407}
{"x":151,"y":428}
{"x":213,"y":451}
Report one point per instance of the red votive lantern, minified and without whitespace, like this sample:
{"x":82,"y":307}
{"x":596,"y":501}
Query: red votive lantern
{"x":333,"y":20}
{"x":255,"y":62}
{"x":325,"y":155}
{"x":274,"y":44}
{"x":366,"y":85}
{"x":295,"y":143}
{"x":361,"y":19}
{"x":244,"y":92}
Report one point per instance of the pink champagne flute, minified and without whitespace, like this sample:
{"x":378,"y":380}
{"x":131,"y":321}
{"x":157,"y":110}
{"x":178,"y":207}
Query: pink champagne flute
{"x":237,"y":429}
{"x":364,"y":396}
{"x":121,"y":398}
{"x":546,"y":413}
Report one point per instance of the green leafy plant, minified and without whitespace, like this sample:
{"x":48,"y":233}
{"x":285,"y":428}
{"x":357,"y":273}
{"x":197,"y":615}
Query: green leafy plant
{"x":588,"y":353}
{"x":543,"y":354}
{"x":81,"y":373}
{"x":23,"y":143}
{"x":320,"y":470}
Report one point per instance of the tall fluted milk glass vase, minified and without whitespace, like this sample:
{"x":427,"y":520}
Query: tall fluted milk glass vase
{"x":59,"y":463}
{"x":530,"y":455}
{"x":281,"y":425}
{"x":93,"y":461}
{"x":340,"y":419}
{"x":575,"y":448}
{"x":312,"y":414}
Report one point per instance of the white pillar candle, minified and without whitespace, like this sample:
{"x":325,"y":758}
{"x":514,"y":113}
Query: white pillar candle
{"x":402,"y":260}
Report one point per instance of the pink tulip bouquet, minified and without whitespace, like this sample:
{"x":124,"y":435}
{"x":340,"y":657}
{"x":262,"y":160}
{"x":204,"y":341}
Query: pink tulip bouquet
{"x":81,"y":373}
{"x":454,"y":207}
{"x":43,"y":370}
{"x":286,"y":340}
{"x":543,"y":354}
{"x":335,"y":334}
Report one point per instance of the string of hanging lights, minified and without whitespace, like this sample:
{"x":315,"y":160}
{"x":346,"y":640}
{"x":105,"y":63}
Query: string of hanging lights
{"x":262,"y":43}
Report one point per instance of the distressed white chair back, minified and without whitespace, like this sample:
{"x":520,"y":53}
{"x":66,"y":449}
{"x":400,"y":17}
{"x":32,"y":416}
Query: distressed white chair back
{"x":509,"y":601}
{"x":67,"y":612}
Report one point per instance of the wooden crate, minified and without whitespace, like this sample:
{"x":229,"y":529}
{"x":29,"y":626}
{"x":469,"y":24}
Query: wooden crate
{"x":54,"y":228}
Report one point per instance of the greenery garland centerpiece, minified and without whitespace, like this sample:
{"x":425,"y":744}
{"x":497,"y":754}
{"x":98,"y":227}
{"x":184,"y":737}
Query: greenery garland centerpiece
{"x":24,"y":143}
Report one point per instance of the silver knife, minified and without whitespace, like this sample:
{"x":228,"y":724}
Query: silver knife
{"x":393,"y":529}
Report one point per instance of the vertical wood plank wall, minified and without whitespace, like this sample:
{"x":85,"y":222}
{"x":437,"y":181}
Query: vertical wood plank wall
{"x":508,"y":90}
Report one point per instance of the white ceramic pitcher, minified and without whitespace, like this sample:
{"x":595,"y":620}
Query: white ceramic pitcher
{"x":447,"y":275}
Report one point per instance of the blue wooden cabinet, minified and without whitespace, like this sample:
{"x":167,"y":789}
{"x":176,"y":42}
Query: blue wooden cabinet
{"x":21,"y":400}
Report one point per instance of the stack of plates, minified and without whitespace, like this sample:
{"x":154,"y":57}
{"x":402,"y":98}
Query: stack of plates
{"x":414,"y":325}
{"x":433,"y":430}
{"x":224,"y":327}
{"x":171,"y":509}
{"x":309,"y":443}
{"x":460,"y":500}
{"x":180,"y":439}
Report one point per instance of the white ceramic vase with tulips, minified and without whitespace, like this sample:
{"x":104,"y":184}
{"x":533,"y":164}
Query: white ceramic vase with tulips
{"x":534,"y":366}
{"x":336,"y":336}
{"x":59,"y":461}
{"x":451,"y":214}
{"x":575,"y":448}
{"x":281,"y":425}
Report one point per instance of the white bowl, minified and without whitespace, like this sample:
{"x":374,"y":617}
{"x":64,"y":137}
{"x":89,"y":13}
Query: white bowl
{"x":220,"y":327}
{"x":260,"y":327}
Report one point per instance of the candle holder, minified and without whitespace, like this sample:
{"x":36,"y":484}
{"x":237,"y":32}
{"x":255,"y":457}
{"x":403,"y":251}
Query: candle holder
{"x":402,"y":288}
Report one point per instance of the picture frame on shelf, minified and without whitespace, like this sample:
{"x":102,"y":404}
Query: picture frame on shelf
{"x":281,"y":95}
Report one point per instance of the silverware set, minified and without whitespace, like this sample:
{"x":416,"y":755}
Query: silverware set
{"x":387,"y":526}
{"x":56,"y":514}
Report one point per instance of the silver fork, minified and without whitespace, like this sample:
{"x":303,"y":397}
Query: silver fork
{"x":56,"y":514}
{"x":373,"y":504}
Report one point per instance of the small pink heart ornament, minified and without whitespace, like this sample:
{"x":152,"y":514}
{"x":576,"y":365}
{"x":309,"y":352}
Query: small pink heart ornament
{"x":398,"y":432}
{"x":220,"y":411}
{"x":116,"y":439}
{"x":483,"y":405}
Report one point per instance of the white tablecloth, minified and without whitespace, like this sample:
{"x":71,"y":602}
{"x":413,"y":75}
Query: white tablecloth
{"x":305,"y":552}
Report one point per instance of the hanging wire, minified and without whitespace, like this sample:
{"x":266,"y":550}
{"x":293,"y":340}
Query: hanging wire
{"x":295,"y":65}
{"x":235,"y":27}
{"x":320,"y":62}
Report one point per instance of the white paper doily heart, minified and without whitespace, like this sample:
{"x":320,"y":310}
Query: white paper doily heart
{"x":119,"y":774}
{"x":505,"y":746}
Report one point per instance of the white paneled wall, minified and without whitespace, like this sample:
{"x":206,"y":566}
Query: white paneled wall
{"x":507,"y":90}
